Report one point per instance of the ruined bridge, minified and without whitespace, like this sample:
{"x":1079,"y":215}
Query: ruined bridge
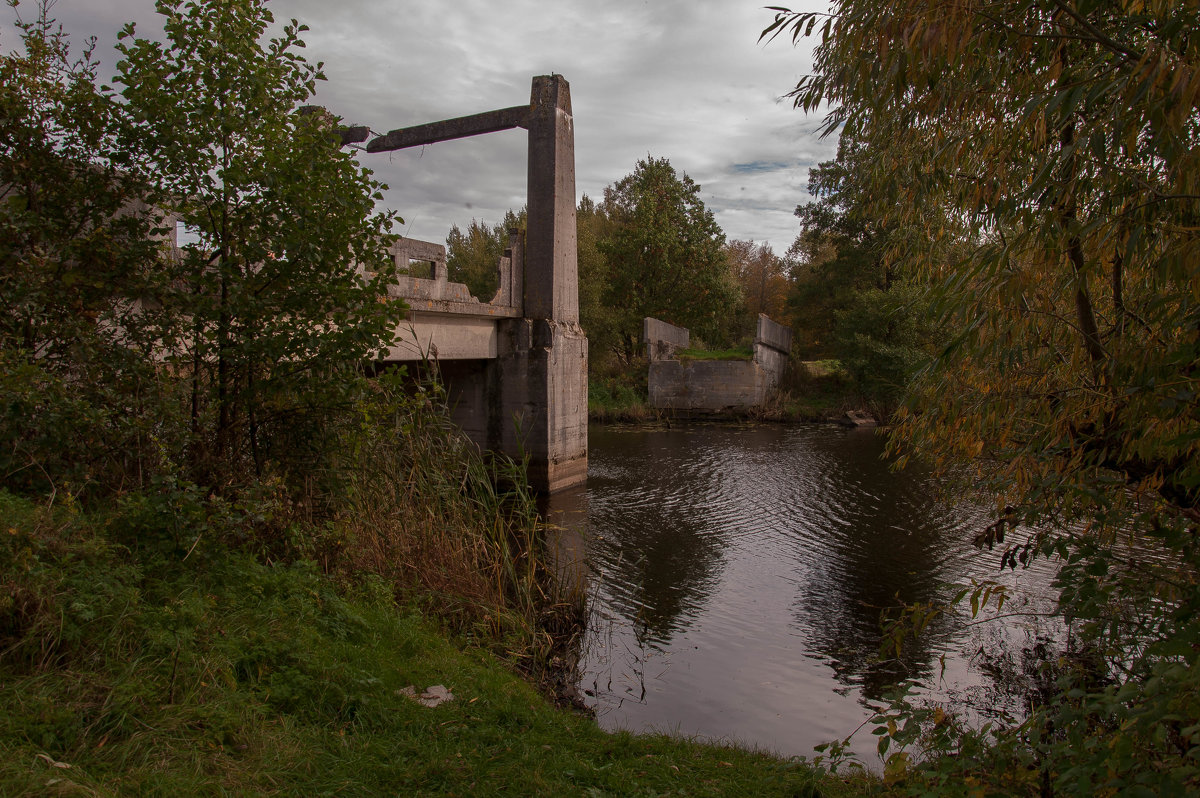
{"x":515,"y":366}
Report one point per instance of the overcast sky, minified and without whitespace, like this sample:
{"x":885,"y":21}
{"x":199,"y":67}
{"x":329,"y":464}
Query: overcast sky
{"x":682,"y":79}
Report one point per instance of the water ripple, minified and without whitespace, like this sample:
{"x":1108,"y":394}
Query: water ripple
{"x":739,"y":574}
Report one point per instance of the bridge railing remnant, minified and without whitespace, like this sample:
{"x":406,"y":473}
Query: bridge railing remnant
{"x":437,"y":294}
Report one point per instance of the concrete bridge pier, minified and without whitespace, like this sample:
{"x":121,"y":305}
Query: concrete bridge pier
{"x":517,"y":365}
{"x":542,"y":407}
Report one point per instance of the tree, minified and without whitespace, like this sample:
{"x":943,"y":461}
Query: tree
{"x":665,"y":257}
{"x":847,"y":299}
{"x":280,"y":316}
{"x":763,"y":277}
{"x":473,"y":257}
{"x":839,"y":253}
{"x":84,"y":281}
{"x":1063,"y":134}
{"x":592,"y":226}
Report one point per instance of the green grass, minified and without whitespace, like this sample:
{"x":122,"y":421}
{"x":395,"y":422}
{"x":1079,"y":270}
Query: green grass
{"x":737,"y":353}
{"x":619,"y":397}
{"x":822,"y":368}
{"x":127,"y":673}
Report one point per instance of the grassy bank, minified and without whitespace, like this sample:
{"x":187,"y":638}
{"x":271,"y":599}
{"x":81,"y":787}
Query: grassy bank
{"x":128,"y":673}
{"x":618,"y":392}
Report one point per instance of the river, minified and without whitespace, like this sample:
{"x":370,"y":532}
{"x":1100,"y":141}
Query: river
{"x":735,"y":577}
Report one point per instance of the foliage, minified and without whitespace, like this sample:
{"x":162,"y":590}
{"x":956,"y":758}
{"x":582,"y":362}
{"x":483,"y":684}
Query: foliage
{"x":736,"y":353}
{"x":124,"y":359}
{"x":82,"y":279}
{"x":665,"y":257}
{"x":279,"y":314}
{"x":846,"y":298}
{"x":473,"y":257}
{"x":839,"y":252}
{"x":763,"y":277}
{"x":595,"y":316}
{"x":883,"y":338}
{"x":1062,"y":135}
{"x":611,"y":398}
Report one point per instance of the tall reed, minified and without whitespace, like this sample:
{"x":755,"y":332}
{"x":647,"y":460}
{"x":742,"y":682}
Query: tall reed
{"x":412,"y":501}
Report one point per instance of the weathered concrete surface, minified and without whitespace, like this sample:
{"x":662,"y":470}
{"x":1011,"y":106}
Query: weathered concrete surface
{"x":707,"y":386}
{"x":555,"y":398}
{"x":663,"y":340}
{"x":772,"y":334}
{"x":450,"y":129}
{"x":444,"y":337}
{"x":552,"y":287}
{"x":714,"y":386}
{"x":772,"y":347}
{"x":541,"y":410}
{"x":445,"y":322}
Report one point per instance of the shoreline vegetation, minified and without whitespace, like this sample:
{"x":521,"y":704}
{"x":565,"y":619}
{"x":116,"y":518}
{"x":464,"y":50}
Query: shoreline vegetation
{"x":817,"y":391}
{"x":227,"y":672}
{"x":174,"y":645}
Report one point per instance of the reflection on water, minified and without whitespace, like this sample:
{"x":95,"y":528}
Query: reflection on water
{"x":736,"y":577}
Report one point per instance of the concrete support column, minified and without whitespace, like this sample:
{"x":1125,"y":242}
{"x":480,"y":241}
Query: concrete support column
{"x":551,"y":254}
{"x":552,"y":419}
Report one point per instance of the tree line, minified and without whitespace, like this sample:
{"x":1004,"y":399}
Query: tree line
{"x":650,"y":247}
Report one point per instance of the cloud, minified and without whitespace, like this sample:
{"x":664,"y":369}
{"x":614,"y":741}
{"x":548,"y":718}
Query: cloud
{"x":679,"y":79}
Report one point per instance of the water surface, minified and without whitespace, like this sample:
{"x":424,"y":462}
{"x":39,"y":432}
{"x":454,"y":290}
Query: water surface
{"x":736,"y":576}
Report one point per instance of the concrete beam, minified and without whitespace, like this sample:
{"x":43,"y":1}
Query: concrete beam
{"x":773,"y":334}
{"x":450,"y":129}
{"x":438,"y":337}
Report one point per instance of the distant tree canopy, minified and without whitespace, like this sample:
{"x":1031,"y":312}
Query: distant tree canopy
{"x":847,"y":299}
{"x":601,"y":325}
{"x":664,"y":257}
{"x":1054,"y":143}
{"x":763,"y":278}
{"x":473,"y":256}
{"x":123,"y":359}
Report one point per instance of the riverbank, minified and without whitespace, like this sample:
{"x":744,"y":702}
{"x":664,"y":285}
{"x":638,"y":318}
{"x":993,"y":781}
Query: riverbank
{"x":811,"y":392}
{"x":221,"y":673}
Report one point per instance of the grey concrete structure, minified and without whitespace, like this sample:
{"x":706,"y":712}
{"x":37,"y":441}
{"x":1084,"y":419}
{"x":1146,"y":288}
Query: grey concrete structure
{"x":772,"y":346}
{"x":663,"y":340}
{"x":714,"y":386}
{"x":516,"y":365}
